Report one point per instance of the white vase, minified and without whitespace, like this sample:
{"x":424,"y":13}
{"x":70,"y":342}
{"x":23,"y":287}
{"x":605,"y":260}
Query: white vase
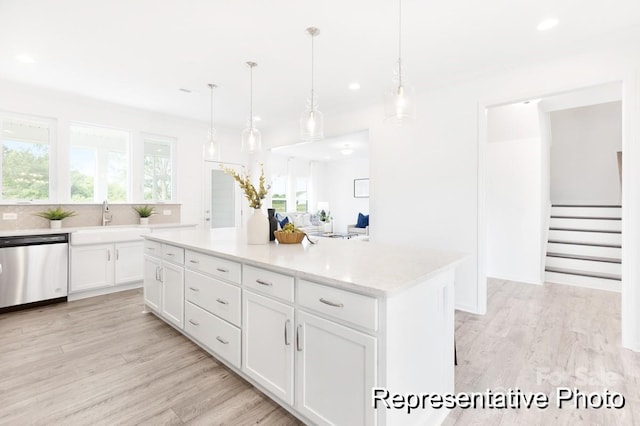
{"x":258,"y":228}
{"x":55,"y":224}
{"x":144,"y":221}
{"x":326,"y":227}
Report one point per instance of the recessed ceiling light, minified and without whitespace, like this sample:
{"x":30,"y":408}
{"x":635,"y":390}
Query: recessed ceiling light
{"x":547,"y":24}
{"x":25,"y":59}
{"x":354,"y":86}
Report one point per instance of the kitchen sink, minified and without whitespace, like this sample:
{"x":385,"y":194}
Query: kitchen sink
{"x":107,"y":235}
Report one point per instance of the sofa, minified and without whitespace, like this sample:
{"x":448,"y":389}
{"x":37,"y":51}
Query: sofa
{"x":304,"y":221}
{"x":361,"y":226}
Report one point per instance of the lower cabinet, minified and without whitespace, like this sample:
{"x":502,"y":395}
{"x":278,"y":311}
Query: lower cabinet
{"x":172,"y":277}
{"x":335,"y":371}
{"x":153,"y":283}
{"x":267,"y":344}
{"x":102,"y":265}
{"x":215,"y":334}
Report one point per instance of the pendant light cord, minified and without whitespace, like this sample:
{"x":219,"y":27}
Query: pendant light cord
{"x":399,"y":43}
{"x":312,"y":66}
{"x":212,"y":86}
{"x":251,"y":97}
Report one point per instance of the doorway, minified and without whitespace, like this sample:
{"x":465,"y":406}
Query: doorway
{"x":222,"y":198}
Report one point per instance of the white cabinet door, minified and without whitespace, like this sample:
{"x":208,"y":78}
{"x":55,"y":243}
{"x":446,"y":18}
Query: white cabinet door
{"x":335,"y":371}
{"x":129,"y":265}
{"x":173,"y":293}
{"x":91,"y":267}
{"x":152,"y":283}
{"x":267,"y":344}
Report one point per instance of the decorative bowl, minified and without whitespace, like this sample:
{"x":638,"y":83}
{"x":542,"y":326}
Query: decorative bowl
{"x":289,"y":237}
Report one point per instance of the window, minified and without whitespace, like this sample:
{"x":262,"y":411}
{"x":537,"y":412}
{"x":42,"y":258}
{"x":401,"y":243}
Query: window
{"x":99,"y":164}
{"x":26,"y":152}
{"x":301,"y":194}
{"x":279,"y":191}
{"x":158,"y":169}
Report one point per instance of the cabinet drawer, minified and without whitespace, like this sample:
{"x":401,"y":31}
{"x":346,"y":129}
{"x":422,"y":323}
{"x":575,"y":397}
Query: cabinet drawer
{"x":220,"y":268}
{"x":341,"y":304}
{"x":218,"y":336}
{"x":213,"y":295}
{"x":172,"y":253}
{"x":153,"y":248}
{"x":267,"y":282}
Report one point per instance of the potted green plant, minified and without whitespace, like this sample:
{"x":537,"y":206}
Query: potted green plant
{"x":325,"y":218}
{"x":55,"y":216}
{"x":145,"y":213}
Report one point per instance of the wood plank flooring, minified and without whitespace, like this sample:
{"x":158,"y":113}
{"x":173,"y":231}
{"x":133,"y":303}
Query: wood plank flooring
{"x":537,"y":338}
{"x":99,"y":361}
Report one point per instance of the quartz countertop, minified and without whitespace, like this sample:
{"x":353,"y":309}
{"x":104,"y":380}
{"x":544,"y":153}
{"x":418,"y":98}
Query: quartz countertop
{"x":367,"y":267}
{"x":46,"y":231}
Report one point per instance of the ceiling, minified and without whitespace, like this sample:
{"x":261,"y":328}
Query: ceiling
{"x":345,"y":147}
{"x":141,"y":52}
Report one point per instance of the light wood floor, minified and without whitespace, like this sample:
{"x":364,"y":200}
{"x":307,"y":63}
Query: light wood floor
{"x":100,"y":361}
{"x":537,"y":338}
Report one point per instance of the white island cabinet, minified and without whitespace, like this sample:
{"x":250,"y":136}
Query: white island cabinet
{"x":317,"y":327}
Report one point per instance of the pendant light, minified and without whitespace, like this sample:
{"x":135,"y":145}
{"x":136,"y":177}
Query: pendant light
{"x":311,"y":120}
{"x":212,"y":147}
{"x":400,"y":102}
{"x":251,"y":139}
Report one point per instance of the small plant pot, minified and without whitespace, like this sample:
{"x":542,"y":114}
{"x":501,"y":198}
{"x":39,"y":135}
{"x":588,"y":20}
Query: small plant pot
{"x":144,"y":221}
{"x":55,"y":224}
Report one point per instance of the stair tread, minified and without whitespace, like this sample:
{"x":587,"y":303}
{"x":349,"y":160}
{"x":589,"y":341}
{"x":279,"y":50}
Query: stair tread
{"x":586,"y":244}
{"x":588,"y":205}
{"x":583,"y":273}
{"x":585,"y":217}
{"x":586,"y":230}
{"x":584,"y":257}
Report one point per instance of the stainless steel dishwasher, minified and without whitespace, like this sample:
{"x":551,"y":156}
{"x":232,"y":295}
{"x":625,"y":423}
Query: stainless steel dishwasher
{"x":33,"y":268}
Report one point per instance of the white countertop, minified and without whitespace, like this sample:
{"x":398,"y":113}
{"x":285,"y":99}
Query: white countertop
{"x":367,"y":267}
{"x":43,"y":231}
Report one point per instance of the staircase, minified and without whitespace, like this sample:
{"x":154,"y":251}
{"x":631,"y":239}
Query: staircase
{"x":584,"y":246}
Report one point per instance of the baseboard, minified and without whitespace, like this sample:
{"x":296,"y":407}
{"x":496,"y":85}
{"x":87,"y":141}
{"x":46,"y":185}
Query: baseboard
{"x":515,"y":280}
{"x":469,"y":309}
{"x":104,"y":290}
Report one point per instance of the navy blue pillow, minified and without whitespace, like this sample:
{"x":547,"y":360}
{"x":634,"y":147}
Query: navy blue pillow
{"x":363,"y":221}
{"x":283,"y":222}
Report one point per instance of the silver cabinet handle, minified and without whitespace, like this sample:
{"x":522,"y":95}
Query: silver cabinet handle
{"x":330,"y":303}
{"x":286,"y":332}
{"x":151,"y":248}
{"x":298,"y":344}
{"x":222,"y":270}
{"x":171,"y":254}
{"x":117,"y":254}
{"x":109,"y":255}
{"x":193,"y":322}
{"x":261,"y":282}
{"x":221,"y":340}
{"x":161,"y":277}
{"x":194,"y":261}
{"x":222,"y":301}
{"x":157,"y":273}
{"x":194,"y":289}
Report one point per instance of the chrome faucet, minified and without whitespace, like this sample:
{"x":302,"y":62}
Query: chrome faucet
{"x":106,"y":214}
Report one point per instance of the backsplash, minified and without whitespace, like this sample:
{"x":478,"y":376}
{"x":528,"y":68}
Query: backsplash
{"x":86,"y":215}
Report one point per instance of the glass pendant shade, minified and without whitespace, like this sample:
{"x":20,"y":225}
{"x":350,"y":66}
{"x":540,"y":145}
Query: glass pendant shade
{"x":311,"y":124}
{"x":400,"y":104}
{"x":311,"y":119}
{"x":211,"y":146}
{"x":251,"y":140}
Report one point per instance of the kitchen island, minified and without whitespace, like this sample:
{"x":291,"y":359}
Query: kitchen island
{"x":317,"y":327}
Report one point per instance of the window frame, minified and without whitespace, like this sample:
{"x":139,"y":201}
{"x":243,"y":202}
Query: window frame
{"x":52,"y":125}
{"x":172,"y":142}
{"x":130,"y":165}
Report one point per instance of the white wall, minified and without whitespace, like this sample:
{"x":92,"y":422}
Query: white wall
{"x":584,"y":164}
{"x":513,"y":188}
{"x":66,"y":108}
{"x":432,"y":172}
